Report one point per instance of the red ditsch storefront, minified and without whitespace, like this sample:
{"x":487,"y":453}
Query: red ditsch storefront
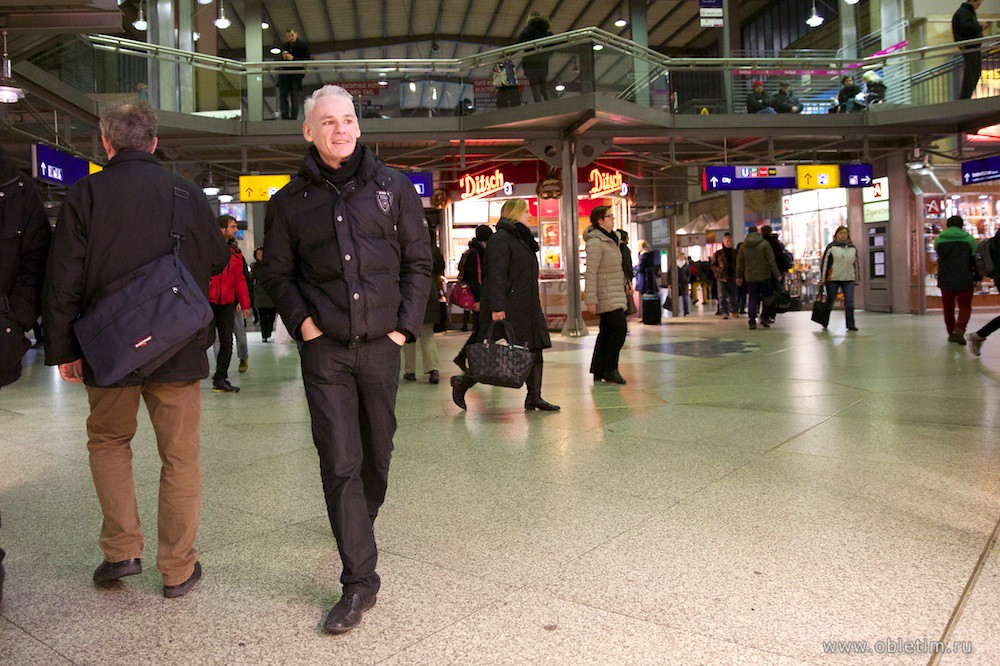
{"x":476,"y":197}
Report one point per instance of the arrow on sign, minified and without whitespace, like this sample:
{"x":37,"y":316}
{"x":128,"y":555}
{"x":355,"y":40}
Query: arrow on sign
{"x":249,"y":192}
{"x":808,"y":178}
{"x":967,"y":177}
{"x":866,"y":180}
{"x":714,"y":181}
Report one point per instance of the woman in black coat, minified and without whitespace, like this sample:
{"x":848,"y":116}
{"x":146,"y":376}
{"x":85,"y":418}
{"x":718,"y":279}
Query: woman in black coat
{"x":472,"y":275}
{"x":262,"y":299}
{"x":510,"y":292}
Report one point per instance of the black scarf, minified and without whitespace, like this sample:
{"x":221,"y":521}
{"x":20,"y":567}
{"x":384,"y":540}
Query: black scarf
{"x":340,"y":176}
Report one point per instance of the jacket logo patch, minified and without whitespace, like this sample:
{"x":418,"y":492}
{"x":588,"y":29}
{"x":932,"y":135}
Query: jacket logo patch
{"x":384,"y":200}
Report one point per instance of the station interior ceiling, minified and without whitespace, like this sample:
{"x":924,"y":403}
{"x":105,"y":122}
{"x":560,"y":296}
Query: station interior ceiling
{"x":658,"y":148}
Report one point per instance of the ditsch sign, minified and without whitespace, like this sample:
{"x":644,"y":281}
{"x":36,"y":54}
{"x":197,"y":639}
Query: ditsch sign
{"x":484,"y":184}
{"x":603,"y":183}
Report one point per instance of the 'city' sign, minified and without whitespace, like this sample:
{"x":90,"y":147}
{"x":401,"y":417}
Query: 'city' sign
{"x":56,"y":167}
{"x":748,"y":178}
{"x":481,"y":185}
{"x":603,"y":183}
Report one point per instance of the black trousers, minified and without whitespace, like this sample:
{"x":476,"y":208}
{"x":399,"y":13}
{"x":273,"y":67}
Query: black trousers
{"x":289,"y":92}
{"x":473,"y":337}
{"x":610,"y":338}
{"x":352,"y":403}
{"x":972,"y":71}
{"x":266,"y":321}
{"x":222,"y":324}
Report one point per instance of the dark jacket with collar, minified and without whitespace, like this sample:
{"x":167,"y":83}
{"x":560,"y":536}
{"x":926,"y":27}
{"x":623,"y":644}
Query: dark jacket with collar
{"x":965,"y":24}
{"x":357,"y":260}
{"x":112,"y":223}
{"x":510,"y":284}
{"x":24,"y":246}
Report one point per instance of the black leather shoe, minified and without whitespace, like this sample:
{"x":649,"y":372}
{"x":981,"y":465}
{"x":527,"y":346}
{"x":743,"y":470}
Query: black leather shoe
{"x":461,"y":363}
{"x":434,"y":377}
{"x":614,"y":377}
{"x":224,"y":387}
{"x":347,"y":612}
{"x":540,"y":405}
{"x":109,"y":571}
{"x":598,"y":377}
{"x":410,"y":376}
{"x":458,"y":390}
{"x":174,"y":591}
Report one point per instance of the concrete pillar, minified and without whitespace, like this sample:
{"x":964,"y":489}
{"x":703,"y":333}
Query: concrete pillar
{"x":185,"y":42}
{"x":569,"y":227}
{"x":848,"y":30}
{"x":163,"y":83}
{"x":208,"y":80}
{"x":254,"y":53}
{"x":640,"y":35}
{"x":900,"y":235}
{"x":856,"y":226}
{"x":737,"y":215}
{"x":730,"y":43}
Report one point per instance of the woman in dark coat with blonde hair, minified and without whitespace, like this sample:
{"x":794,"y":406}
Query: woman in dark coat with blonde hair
{"x":510,"y":292}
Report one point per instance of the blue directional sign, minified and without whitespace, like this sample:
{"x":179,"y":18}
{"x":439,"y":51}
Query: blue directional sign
{"x":423,"y":182}
{"x":856,"y":175}
{"x":56,"y":167}
{"x":748,"y":178}
{"x":710,"y":4}
{"x":981,"y":171}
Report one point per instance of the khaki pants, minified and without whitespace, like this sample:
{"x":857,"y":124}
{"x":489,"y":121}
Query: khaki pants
{"x":175,"y":412}
{"x":428,"y":351}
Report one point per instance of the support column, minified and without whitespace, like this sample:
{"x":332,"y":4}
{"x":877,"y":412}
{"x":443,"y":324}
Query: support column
{"x":185,"y":42}
{"x":730,"y":43}
{"x":254,"y":53}
{"x":848,"y":30}
{"x":208,"y":79}
{"x":737,"y":215}
{"x":163,"y":83}
{"x":900,"y":237}
{"x":640,"y":35}
{"x":856,"y":227}
{"x":569,"y":227}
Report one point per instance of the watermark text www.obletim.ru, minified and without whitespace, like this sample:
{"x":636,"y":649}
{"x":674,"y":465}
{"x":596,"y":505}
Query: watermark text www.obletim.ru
{"x":897,"y":646}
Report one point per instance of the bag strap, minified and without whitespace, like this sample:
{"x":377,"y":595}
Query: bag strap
{"x":508,"y":332}
{"x":177,"y":224}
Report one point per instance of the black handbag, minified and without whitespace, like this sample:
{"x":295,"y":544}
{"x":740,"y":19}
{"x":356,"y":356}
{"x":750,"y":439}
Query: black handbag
{"x":821,"y":310}
{"x":496,"y":364}
{"x":141,"y":320}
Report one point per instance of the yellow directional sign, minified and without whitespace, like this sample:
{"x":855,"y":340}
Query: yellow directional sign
{"x":817,"y":176}
{"x":261,"y":188}
{"x":94,"y":168}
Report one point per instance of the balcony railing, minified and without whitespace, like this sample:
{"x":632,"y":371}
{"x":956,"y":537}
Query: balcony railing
{"x":112,"y":69}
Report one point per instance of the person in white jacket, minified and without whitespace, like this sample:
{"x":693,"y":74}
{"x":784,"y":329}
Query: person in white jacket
{"x":839,"y":271}
{"x":606,"y":294}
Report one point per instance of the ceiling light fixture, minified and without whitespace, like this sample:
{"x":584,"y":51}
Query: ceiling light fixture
{"x":598,"y":47}
{"x":852,"y":2}
{"x":264,"y":25}
{"x":9,"y":92}
{"x":211,"y":189}
{"x":225,"y":198}
{"x":275,"y":50}
{"x":204,"y":2}
{"x":222,"y":22}
{"x":620,"y":22}
{"x":560,"y":87}
{"x":140,"y":23}
{"x":815,"y":20}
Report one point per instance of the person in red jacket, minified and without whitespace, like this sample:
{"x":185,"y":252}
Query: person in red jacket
{"x":227,"y":290}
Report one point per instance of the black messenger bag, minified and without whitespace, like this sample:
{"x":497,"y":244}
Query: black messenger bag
{"x":141,"y":320}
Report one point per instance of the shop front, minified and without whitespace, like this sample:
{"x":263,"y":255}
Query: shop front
{"x":479,"y":196}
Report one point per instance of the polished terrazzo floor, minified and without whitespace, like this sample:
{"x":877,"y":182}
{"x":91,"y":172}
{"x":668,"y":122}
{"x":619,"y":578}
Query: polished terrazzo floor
{"x":747,"y":497}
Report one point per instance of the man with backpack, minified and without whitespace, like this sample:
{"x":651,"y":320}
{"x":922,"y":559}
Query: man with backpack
{"x":956,"y":275}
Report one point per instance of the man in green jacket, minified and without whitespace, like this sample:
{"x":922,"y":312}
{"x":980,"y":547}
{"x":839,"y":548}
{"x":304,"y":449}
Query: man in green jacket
{"x":956,"y":250}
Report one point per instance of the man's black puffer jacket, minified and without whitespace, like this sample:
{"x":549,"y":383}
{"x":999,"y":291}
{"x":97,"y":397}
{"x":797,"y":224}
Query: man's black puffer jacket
{"x":357,"y":260}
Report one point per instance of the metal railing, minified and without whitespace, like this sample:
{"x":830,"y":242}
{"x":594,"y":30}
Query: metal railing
{"x":583,"y":61}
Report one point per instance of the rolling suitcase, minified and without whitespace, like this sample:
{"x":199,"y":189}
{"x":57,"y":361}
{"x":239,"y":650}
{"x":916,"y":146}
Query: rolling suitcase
{"x":651,"y":309}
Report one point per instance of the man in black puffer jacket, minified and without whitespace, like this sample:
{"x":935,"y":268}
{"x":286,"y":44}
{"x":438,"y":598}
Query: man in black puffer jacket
{"x":347,"y":259}
{"x":24,"y":246}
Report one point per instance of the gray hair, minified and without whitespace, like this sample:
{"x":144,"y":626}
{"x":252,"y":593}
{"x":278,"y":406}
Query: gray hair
{"x":129,"y":127}
{"x":329,"y":90}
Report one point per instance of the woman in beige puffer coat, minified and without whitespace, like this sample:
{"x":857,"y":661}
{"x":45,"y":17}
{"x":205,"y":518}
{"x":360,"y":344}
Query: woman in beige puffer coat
{"x":606,"y":292}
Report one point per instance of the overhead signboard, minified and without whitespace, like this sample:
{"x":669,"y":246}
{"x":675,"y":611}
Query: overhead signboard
{"x":712,"y":22}
{"x":817,"y":176}
{"x":711,"y":13}
{"x":981,"y":171}
{"x":607,"y":184}
{"x":748,"y":178}
{"x":705,"y":4}
{"x":261,"y":188}
{"x":476,"y":186}
{"x":54,"y":166}
{"x":856,"y":175}
{"x":423,"y":182}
